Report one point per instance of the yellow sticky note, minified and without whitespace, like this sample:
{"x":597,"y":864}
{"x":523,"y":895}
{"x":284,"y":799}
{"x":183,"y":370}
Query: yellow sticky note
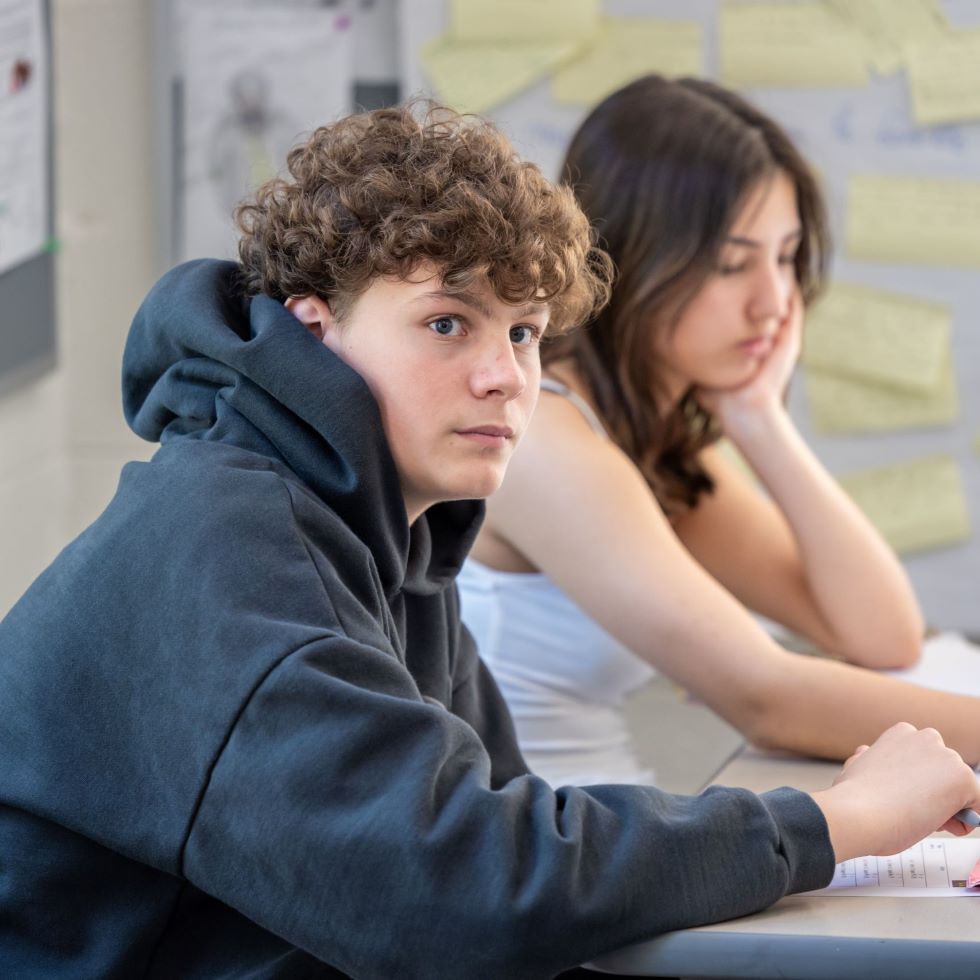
{"x":916,"y":504}
{"x":477,"y":77}
{"x":878,"y":336}
{"x":887,"y":25}
{"x":944,"y":78}
{"x":912,"y":219}
{"x":840,"y":404}
{"x":789,"y":44}
{"x":523,"y":20}
{"x":626,"y":48}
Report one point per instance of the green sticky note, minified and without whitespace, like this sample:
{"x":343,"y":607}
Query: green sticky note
{"x":790,"y":44}
{"x":944,"y":78}
{"x":930,"y":221}
{"x":627,"y":48}
{"x":478,"y":77}
{"x":523,"y":20}
{"x":877,"y":336}
{"x":840,"y":404}
{"x":916,"y":505}
{"x":889,"y":25}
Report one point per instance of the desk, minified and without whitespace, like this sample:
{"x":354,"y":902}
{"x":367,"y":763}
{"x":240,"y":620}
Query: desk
{"x":814,"y":938}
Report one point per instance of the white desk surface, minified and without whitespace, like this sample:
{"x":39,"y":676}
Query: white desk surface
{"x":814,"y":938}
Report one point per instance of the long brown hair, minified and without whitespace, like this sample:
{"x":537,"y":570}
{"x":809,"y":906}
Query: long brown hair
{"x":662,"y":169}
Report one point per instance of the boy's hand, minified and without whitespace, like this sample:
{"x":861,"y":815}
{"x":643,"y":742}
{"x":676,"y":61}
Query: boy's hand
{"x":893,"y":793}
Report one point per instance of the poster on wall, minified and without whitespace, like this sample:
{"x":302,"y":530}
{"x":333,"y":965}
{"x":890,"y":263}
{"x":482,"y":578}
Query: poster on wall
{"x":256,"y":80}
{"x":24,"y":129}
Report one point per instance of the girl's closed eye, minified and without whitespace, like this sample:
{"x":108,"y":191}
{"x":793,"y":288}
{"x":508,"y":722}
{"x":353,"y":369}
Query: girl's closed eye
{"x":731,"y":268}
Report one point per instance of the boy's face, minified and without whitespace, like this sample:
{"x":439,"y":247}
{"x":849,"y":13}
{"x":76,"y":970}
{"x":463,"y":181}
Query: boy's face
{"x":456,"y":377}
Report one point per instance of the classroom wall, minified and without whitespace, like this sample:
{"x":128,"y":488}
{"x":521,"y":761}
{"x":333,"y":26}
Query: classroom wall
{"x":62,"y":438}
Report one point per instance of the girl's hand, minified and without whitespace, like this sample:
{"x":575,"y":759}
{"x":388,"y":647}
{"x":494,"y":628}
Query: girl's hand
{"x":764,"y":391}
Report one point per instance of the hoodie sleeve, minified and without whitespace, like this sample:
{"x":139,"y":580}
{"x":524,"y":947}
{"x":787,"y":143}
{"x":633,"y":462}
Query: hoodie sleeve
{"x":360,"y":822}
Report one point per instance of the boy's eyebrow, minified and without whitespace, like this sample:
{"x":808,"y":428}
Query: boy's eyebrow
{"x":752,"y":243}
{"x":474,"y":301}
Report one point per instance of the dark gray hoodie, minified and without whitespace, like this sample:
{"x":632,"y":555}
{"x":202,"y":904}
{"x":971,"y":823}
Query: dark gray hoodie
{"x":243,"y":734}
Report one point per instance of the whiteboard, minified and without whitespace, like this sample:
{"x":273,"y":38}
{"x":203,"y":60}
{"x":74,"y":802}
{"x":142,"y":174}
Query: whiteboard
{"x":842,"y":131}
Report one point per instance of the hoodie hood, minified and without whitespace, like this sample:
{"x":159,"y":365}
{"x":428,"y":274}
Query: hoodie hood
{"x":205,"y":361}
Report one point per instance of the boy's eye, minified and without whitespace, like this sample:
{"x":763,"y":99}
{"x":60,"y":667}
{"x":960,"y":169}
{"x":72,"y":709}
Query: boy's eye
{"x":446,"y":326}
{"x":524,"y":335}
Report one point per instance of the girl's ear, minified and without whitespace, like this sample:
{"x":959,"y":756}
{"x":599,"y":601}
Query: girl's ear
{"x":314,"y":313}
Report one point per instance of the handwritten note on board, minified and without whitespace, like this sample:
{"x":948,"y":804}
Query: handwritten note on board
{"x":477,"y":77}
{"x":885,"y":337}
{"x":841,"y":404}
{"x":790,"y":44}
{"x":887,"y":25}
{"x":523,"y":20}
{"x":624,"y":49}
{"x":913,"y":219}
{"x":917,"y":504}
{"x":944,"y":78}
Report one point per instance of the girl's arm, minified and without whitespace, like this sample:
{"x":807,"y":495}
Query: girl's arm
{"x":806,"y":557}
{"x":579,"y":511}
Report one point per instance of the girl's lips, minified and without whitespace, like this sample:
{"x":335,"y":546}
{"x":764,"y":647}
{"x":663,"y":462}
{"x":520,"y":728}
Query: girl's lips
{"x":757,"y":346}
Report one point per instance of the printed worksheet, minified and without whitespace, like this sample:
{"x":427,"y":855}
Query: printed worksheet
{"x":937,"y":867}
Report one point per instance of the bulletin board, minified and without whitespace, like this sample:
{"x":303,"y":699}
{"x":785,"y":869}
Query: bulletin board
{"x":27,"y":261}
{"x":238,"y":83}
{"x":883,"y":96}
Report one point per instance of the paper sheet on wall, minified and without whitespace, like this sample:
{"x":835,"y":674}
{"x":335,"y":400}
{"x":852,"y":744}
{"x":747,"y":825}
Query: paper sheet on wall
{"x":912,"y":219}
{"x":789,"y":44}
{"x":523,"y":20}
{"x":937,"y":867}
{"x":24,"y":203}
{"x":915,"y":505}
{"x":878,"y":336}
{"x":257,"y":80}
{"x":949,"y":662}
{"x":887,"y":25}
{"x":944,"y":78}
{"x":624,"y":49}
{"x":840,"y":404}
{"x":478,"y":77}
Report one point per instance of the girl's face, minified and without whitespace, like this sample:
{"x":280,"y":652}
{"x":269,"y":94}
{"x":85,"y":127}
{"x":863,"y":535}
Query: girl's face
{"x":728,"y":328}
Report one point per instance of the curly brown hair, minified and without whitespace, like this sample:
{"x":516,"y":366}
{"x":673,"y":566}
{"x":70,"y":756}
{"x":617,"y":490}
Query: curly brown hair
{"x":380,"y":193}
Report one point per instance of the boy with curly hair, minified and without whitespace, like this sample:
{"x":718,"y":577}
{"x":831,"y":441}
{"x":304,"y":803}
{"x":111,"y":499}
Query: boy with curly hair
{"x":242,"y":731}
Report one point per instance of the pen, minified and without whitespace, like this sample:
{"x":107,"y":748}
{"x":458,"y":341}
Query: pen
{"x":969,"y":817}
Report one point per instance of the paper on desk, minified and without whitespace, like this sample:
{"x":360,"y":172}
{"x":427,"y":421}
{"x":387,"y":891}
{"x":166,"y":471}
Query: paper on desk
{"x":944,"y":78}
{"x":888,"y":24}
{"x":790,"y":44}
{"x":624,"y":49}
{"x":912,"y":219}
{"x":523,"y":20}
{"x":949,"y":662}
{"x":878,"y":336}
{"x":841,"y":404}
{"x":477,"y":77}
{"x":915,"y":504}
{"x":937,"y":867}
{"x":973,"y":881}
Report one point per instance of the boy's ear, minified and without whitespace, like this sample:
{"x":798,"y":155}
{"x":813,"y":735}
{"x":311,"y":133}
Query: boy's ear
{"x":314,"y":313}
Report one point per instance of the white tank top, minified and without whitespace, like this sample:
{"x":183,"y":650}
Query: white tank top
{"x":564,"y":677}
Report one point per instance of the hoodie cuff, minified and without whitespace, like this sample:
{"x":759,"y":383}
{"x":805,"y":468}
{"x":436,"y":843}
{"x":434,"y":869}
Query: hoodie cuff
{"x":804,"y":838}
